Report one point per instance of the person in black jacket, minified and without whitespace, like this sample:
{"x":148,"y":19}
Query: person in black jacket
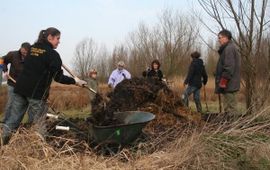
{"x":41,"y":66}
{"x":155,"y":71}
{"x":16,"y":60}
{"x":196,"y":74}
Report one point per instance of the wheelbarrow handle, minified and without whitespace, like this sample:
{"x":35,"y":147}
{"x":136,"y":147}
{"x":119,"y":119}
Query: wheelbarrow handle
{"x":64,"y":128}
{"x":52,"y":116}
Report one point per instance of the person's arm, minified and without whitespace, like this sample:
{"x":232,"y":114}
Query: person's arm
{"x":204,"y":75}
{"x":229,"y":63}
{"x":149,"y":73}
{"x":7,"y":60}
{"x":190,"y":74}
{"x":228,"y":66}
{"x":127,"y":74}
{"x":57,"y":72}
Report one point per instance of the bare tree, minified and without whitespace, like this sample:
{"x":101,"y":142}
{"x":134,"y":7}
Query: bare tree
{"x":177,"y":33}
{"x":144,"y":46}
{"x":102,"y":63}
{"x":85,"y":54}
{"x":250,"y":21}
{"x":212,"y":58}
{"x":171,"y":40}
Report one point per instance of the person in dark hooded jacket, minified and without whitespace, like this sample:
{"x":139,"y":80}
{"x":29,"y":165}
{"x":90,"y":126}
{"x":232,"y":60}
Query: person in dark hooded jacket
{"x":41,"y":67}
{"x":195,"y":77}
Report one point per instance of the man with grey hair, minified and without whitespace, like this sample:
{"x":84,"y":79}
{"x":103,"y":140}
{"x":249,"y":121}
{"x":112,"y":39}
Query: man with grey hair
{"x":228,"y":71}
{"x":118,"y":75}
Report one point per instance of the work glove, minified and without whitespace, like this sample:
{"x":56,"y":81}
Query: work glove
{"x":80,"y":82}
{"x":223,"y":83}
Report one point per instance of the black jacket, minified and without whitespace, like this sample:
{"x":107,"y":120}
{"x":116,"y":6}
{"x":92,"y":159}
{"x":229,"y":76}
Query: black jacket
{"x":41,"y":66}
{"x":155,"y":74}
{"x":228,"y":67}
{"x":196,"y":73}
{"x":15,"y":59}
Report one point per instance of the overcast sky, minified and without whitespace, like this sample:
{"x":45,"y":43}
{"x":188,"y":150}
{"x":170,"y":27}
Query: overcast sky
{"x":106,"y":21}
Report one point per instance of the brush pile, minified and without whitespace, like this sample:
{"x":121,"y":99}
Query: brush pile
{"x":142,"y":94}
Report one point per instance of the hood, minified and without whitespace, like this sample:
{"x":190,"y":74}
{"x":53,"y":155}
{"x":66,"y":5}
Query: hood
{"x":197,"y":61}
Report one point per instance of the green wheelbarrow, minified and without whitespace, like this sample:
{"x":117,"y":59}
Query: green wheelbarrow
{"x":133,"y":123}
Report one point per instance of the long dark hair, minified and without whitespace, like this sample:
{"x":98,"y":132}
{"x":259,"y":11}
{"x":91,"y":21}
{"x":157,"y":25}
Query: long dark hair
{"x":43,"y":34}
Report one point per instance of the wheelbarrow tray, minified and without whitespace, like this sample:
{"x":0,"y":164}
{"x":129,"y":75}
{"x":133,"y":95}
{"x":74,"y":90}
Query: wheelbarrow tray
{"x":133,"y":123}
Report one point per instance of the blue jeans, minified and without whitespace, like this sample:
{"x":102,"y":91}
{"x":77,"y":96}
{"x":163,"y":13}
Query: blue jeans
{"x":9,"y":103}
{"x":196,"y":96}
{"x":36,"y":110}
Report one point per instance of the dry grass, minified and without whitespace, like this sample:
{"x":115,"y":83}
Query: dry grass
{"x":241,"y":144}
{"x":66,"y":97}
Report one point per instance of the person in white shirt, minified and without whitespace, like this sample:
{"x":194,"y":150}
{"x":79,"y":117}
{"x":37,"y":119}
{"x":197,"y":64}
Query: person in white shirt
{"x":118,"y":75}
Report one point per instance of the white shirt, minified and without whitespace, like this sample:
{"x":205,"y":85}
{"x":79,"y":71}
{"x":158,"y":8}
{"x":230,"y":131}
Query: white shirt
{"x":117,"y":76}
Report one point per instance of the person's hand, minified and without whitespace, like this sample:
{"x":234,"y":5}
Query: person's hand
{"x":80,"y":82}
{"x":223,"y":83}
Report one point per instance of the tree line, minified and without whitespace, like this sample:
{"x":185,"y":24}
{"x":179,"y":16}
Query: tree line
{"x":176,"y":35}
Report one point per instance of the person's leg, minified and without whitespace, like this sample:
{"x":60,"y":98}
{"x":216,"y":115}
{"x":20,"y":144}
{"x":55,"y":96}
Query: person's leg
{"x":197,"y":99}
{"x":189,"y":90}
{"x":18,"y":108}
{"x":230,"y":102}
{"x":9,"y":103}
{"x":37,"y":113}
{"x":36,"y":110}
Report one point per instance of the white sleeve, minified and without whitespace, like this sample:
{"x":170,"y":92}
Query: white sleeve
{"x":112,"y":79}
